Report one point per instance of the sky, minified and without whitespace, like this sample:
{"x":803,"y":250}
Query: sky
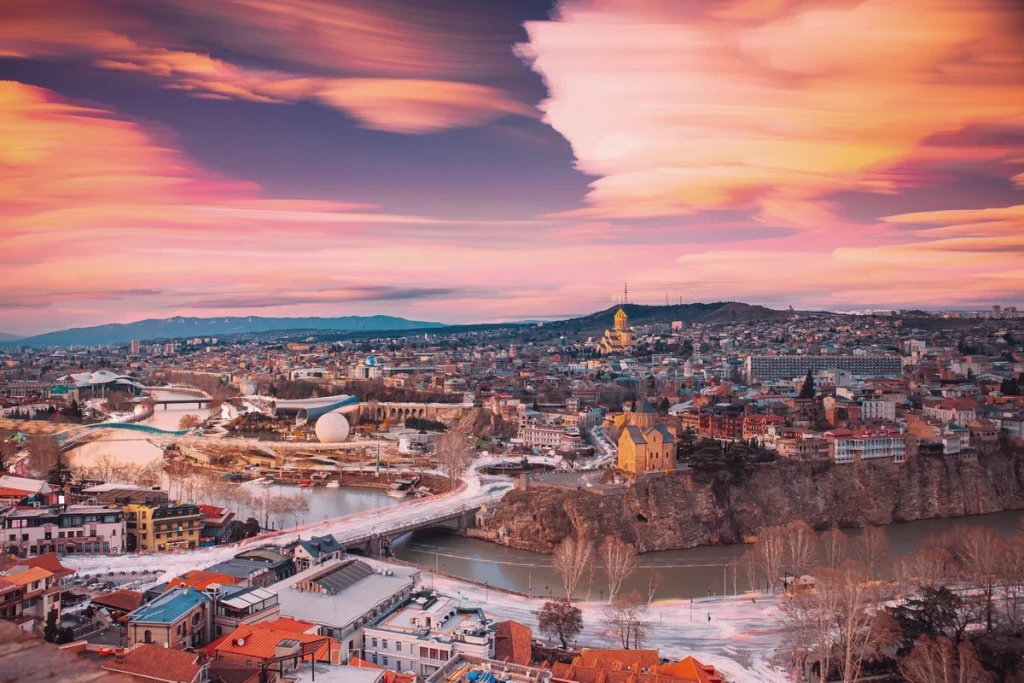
{"x":486,"y":160}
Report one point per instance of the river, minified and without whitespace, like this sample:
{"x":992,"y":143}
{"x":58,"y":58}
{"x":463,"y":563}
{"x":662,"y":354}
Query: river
{"x":685,"y":573}
{"x":133,"y":447}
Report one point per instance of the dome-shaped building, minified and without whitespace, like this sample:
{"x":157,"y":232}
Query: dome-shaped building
{"x":332,"y":428}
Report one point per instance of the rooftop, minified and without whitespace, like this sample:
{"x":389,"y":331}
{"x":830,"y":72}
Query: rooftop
{"x":169,"y":607}
{"x":153,"y":661}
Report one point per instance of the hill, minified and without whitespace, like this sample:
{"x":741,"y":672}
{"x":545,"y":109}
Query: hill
{"x":179,"y":327}
{"x":640,"y":314}
{"x":8,"y":337}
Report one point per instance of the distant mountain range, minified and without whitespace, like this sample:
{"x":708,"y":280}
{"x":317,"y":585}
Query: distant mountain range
{"x":8,"y":337}
{"x":181,"y":327}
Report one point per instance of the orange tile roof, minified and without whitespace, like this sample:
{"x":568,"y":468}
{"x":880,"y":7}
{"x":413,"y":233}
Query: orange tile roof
{"x":513,"y":642}
{"x":27,"y":576}
{"x":260,"y":641}
{"x":201,"y":580}
{"x":292,"y":625}
{"x":389,"y":676}
{"x":50,"y":562}
{"x":162,"y":664}
{"x":691,"y":668}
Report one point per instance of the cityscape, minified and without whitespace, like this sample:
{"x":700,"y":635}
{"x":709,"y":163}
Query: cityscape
{"x":599,"y":341}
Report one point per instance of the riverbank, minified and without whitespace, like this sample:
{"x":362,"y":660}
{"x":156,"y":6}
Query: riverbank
{"x":693,"y":508}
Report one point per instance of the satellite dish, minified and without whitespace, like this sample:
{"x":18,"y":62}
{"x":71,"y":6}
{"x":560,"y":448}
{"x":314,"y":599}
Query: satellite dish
{"x":166,"y":644}
{"x":241,"y":642}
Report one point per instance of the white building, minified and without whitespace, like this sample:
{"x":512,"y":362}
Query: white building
{"x":80,"y":529}
{"x":343,"y":596}
{"x":878,"y":409}
{"x":425,"y":633}
{"x":846,"y":446}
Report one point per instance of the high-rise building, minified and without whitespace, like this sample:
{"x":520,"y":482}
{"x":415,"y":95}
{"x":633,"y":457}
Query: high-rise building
{"x":135,"y":347}
{"x":997,"y":311}
{"x":788,"y":367}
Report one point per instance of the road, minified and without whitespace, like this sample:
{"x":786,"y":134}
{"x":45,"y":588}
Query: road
{"x":476,"y":489}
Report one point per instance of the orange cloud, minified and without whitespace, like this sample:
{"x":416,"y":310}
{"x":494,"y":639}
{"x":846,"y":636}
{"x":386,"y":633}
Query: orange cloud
{"x":770,"y":105}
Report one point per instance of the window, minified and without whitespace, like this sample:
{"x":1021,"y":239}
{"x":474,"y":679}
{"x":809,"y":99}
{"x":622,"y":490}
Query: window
{"x":148,"y":637}
{"x":384,"y":661}
{"x":373,"y":658}
{"x":398,"y":665}
{"x":398,"y":646}
{"x":384,"y":643}
{"x":375,"y":642}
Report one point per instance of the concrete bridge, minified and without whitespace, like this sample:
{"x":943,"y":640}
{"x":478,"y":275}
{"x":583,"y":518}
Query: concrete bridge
{"x":378,"y":540}
{"x":399,"y":411}
{"x":198,"y":400}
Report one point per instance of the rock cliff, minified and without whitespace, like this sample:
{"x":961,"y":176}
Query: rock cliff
{"x":692,"y":508}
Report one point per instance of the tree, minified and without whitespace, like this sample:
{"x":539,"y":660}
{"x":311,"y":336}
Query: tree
{"x":769,"y":550}
{"x":624,"y":620}
{"x":655,"y":580}
{"x":252,"y":527}
{"x":981,"y":553}
{"x":560,"y":619}
{"x":454,"y":452}
{"x":934,"y":611}
{"x":748,"y":562}
{"x":801,"y":546}
{"x":236,"y":531}
{"x":573,"y":556}
{"x":833,"y":547}
{"x":51,"y":629}
{"x":807,"y":388}
{"x":189,"y":421}
{"x":871,"y":546}
{"x":939,"y":660}
{"x":44,"y":452}
{"x":619,"y":560}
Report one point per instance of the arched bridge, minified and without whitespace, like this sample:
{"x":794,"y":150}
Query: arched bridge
{"x":376,"y":542}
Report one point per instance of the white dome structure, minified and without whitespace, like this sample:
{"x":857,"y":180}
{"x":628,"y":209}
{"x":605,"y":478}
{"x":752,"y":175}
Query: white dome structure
{"x":332,"y":428}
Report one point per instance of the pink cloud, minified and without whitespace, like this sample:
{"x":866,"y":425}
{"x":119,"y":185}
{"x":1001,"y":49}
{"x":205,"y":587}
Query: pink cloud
{"x":679,"y":108}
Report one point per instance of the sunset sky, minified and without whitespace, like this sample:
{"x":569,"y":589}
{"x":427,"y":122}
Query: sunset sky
{"x":484,"y":160}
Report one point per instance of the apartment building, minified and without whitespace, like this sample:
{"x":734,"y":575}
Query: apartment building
{"x":425,"y":633}
{"x":877,"y":409}
{"x":162,"y":526}
{"x":764,"y":367}
{"x":68,"y":530}
{"x":846,"y":446}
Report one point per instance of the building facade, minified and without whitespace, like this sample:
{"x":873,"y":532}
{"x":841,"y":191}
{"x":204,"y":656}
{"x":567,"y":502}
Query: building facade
{"x":162,"y":526}
{"x":77,"y":529}
{"x":763,"y":367}
{"x":645,"y":445}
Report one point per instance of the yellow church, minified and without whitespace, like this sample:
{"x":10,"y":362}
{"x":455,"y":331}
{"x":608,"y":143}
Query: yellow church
{"x":645,"y":445}
{"x":619,"y":340}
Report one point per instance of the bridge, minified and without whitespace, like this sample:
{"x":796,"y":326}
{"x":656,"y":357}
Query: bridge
{"x":198,"y":400}
{"x":376,"y":542}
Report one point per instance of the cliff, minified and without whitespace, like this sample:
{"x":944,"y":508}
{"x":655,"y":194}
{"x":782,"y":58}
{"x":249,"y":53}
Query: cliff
{"x":692,"y":508}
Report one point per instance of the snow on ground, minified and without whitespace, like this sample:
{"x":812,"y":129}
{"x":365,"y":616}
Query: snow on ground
{"x":741,"y":640}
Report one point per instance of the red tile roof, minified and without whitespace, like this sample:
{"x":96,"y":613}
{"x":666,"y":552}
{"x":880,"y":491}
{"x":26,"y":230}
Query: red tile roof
{"x":122,"y":600}
{"x":48,"y":561}
{"x":389,"y":676}
{"x":158,"y":663}
{"x":513,"y":642}
{"x":201,"y":580}
{"x":691,"y":668}
{"x":260,"y":641}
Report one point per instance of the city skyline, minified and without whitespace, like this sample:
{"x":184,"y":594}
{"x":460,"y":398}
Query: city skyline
{"x":467,"y":163}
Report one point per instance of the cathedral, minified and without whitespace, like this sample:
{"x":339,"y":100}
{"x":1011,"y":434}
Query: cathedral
{"x":619,"y":340}
{"x":644,"y":444}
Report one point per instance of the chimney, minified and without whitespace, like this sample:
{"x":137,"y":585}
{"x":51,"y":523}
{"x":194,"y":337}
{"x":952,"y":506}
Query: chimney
{"x":119,"y":654}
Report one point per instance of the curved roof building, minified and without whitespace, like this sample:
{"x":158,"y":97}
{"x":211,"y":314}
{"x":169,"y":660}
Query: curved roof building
{"x":310,"y":409}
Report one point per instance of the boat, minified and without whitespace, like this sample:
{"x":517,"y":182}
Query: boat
{"x":306,"y":484}
{"x":266,"y":481}
{"x":334,"y":484}
{"x":397,"y":493}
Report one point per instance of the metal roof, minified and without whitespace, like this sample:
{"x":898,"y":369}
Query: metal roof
{"x":337,"y":580}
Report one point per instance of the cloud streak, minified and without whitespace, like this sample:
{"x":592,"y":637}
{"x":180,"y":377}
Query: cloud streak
{"x":770,"y":106}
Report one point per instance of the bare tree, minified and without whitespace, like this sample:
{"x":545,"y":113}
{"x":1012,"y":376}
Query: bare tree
{"x":189,"y":421}
{"x":769,"y":550}
{"x":44,"y":454}
{"x":938,"y":660}
{"x":748,"y":561}
{"x":981,"y":555}
{"x":1011,"y":578}
{"x":573,"y":557}
{"x":619,"y":560}
{"x":624,"y":620}
{"x":299,"y":508}
{"x":871,"y":546}
{"x":801,"y":546}
{"x":833,"y":547}
{"x":857,"y":604}
{"x":653,"y":583}
{"x":454,"y":451}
